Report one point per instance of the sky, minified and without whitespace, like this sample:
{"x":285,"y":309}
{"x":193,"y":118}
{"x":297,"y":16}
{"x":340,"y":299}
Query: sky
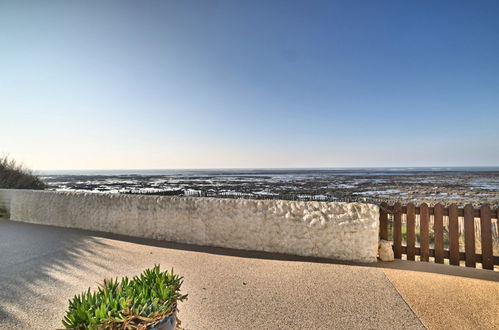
{"x":244,"y":84}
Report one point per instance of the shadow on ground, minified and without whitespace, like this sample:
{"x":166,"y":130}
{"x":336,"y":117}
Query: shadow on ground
{"x":30,"y":255}
{"x":397,"y":264}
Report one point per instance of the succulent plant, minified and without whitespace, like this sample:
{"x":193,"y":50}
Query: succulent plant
{"x":127,"y":304}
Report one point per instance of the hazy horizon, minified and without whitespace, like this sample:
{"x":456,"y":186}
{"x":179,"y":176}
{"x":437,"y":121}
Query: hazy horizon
{"x":235,"y":84}
{"x":166,"y":171}
{"x":268,"y":168}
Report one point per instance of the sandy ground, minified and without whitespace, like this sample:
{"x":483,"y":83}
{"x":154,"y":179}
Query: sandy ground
{"x":448,"y":297}
{"x":41,"y":267}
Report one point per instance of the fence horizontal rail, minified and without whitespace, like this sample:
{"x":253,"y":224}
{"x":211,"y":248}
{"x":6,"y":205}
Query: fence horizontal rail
{"x":460,"y":211}
{"x":462,"y":255}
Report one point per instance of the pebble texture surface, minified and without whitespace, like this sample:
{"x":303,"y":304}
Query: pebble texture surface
{"x":343,"y":231}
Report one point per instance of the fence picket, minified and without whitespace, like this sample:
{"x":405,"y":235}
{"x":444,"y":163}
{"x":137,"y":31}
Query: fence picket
{"x":486,"y":228}
{"x":410,"y":230}
{"x":486,"y":237}
{"x":424,"y":232}
{"x":397,"y":231}
{"x":469,"y":235}
{"x":438,"y":229}
{"x":453,"y":235}
{"x":383,"y":221}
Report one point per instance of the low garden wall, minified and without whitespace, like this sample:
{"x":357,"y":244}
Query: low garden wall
{"x":345,"y":231}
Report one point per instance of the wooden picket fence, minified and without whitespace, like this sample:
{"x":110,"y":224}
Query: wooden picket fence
{"x":464,"y":235}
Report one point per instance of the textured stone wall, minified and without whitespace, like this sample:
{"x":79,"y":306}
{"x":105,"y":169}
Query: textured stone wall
{"x":345,"y":231}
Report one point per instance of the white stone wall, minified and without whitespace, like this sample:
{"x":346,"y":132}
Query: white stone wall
{"x":345,"y":231}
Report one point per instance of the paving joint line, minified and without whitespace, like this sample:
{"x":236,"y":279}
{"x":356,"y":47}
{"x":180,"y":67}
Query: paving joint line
{"x":403,"y":299}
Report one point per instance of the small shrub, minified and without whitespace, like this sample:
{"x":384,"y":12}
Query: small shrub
{"x":127,"y":304}
{"x":16,"y":176}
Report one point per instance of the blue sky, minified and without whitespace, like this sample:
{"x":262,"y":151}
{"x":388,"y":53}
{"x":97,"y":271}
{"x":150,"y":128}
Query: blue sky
{"x":211,"y":84}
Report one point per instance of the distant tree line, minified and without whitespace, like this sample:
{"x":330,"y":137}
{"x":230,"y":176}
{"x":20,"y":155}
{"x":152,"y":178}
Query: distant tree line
{"x":16,"y":176}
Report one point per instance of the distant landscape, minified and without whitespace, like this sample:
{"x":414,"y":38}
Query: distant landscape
{"x":460,"y":185}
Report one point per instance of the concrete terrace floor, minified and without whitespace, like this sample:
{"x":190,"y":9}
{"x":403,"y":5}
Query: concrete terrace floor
{"x":41,"y":267}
